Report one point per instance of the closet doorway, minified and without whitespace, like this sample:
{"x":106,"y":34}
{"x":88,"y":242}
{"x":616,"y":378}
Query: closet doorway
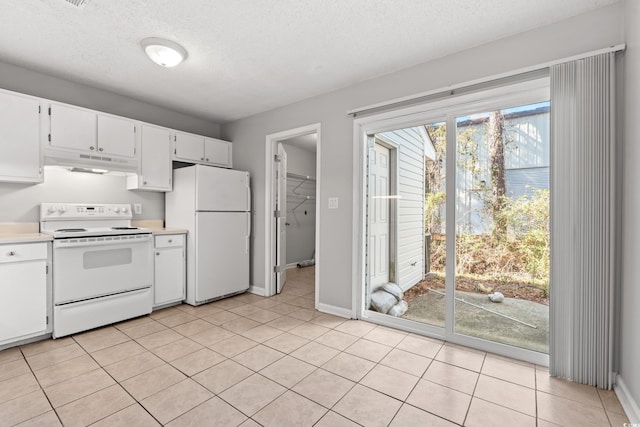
{"x":292,"y":210}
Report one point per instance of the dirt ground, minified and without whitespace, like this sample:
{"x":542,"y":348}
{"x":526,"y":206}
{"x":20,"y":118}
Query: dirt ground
{"x":510,"y":287}
{"x":516,"y":322}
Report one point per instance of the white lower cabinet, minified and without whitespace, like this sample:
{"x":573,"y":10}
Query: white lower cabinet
{"x":169,"y":284}
{"x":24,"y":294}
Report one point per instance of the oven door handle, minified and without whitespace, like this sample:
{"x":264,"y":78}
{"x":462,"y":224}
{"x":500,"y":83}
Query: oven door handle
{"x":100,"y":241}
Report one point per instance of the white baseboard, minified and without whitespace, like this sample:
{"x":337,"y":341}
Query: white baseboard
{"x":627,"y":401}
{"x":336,"y":311}
{"x":258,"y":291}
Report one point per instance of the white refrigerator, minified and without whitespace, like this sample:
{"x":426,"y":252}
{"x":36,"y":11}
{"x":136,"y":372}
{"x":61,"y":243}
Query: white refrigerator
{"x":214,"y":205}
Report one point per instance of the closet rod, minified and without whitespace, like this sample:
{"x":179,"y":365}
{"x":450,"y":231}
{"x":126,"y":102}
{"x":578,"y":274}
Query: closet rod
{"x":302,"y":177}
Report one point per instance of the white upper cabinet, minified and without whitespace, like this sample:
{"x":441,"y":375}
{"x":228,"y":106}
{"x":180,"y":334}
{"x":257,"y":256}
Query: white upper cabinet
{"x":189,"y":147}
{"x":86,"y":130}
{"x":217,"y":152}
{"x":116,"y":136}
{"x":20,"y":154}
{"x":73,"y":128}
{"x":198,"y":149}
{"x":155,"y":160}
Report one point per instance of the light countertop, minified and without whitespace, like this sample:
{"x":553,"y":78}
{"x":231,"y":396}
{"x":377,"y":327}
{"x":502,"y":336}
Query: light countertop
{"x":157,"y":227}
{"x":162,"y":230}
{"x":21,"y":232}
{"x":13,"y":238}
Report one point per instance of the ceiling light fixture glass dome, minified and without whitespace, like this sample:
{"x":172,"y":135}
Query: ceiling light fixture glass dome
{"x":164,"y":52}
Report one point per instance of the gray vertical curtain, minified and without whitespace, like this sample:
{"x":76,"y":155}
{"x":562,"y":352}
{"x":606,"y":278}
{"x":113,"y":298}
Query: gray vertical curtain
{"x":583,"y":187}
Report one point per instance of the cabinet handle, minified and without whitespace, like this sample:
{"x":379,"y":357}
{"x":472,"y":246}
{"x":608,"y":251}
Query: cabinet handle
{"x":207,"y":160}
{"x":170,"y":240}
{"x":100,"y":149}
{"x":201,"y":158}
{"x":157,"y":253}
{"x":12,"y":253}
{"x":92,"y":148}
{"x":144,"y":182}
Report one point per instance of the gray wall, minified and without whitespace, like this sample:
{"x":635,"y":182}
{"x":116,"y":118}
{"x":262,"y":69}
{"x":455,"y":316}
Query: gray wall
{"x":629,"y":367}
{"x":595,"y":30}
{"x":301,"y":231}
{"x":21,"y":202}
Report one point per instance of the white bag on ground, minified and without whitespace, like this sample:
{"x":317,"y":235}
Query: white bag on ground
{"x":496,"y":297}
{"x":382,"y":301}
{"x":394,"y":290}
{"x":399,"y":309}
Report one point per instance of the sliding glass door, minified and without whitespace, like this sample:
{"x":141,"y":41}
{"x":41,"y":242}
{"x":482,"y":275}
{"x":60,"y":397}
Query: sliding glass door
{"x":456,"y":224}
{"x":502,"y":226}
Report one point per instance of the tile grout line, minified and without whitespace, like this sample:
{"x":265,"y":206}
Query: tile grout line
{"x":122,"y":387}
{"x":535,"y":391}
{"x":41,"y":390}
{"x":473,"y":394}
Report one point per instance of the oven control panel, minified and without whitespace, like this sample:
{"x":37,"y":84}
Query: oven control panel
{"x":84,"y":211}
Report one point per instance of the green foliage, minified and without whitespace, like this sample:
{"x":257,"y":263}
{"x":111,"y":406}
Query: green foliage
{"x":528,"y":222}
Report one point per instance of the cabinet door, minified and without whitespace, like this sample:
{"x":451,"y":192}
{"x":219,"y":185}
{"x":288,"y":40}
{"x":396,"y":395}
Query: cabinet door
{"x":23,"y":299}
{"x":73,"y":128}
{"x":169,"y":283}
{"x":116,"y":136}
{"x":155,"y":158}
{"x":217,"y":151}
{"x":189,"y":147}
{"x":20,"y":159}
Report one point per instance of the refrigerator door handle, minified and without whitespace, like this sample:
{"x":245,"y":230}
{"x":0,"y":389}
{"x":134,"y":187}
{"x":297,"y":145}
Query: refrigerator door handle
{"x":248,"y":232}
{"x":248,"y":194}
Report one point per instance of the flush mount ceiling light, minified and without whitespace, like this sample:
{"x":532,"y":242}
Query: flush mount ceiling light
{"x":164,"y":52}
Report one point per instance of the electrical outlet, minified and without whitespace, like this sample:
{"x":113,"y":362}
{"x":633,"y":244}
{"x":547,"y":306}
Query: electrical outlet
{"x":333,"y":203}
{"x":137,"y":208}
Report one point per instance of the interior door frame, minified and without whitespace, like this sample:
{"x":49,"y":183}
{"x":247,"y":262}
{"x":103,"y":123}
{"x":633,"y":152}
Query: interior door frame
{"x":443,"y":110}
{"x":281,"y":222}
{"x":270,"y":182}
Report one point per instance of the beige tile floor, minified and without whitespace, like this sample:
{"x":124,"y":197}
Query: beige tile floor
{"x":250,"y":361}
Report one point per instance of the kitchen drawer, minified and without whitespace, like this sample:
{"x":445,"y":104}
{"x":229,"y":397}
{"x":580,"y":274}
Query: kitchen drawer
{"x":23,"y":252}
{"x":170,"y":240}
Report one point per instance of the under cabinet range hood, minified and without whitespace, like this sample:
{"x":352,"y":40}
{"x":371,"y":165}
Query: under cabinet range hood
{"x":79,"y":159}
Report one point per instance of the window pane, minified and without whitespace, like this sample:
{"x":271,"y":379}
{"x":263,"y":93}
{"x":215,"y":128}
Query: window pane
{"x":502,"y":226}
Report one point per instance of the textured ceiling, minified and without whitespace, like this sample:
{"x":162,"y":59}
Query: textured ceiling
{"x":249,"y":56}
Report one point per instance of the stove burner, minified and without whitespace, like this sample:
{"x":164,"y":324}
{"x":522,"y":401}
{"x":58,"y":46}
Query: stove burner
{"x":70,"y":230}
{"x":124,"y":228}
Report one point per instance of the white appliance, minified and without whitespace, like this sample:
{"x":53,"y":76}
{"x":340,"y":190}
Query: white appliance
{"x":214,"y":204}
{"x":102,"y":267}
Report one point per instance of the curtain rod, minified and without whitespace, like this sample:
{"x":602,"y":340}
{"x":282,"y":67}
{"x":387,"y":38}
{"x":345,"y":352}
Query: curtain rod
{"x":448,"y":90}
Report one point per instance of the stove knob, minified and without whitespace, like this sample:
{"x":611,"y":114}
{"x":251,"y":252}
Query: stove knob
{"x":51,"y":210}
{"x":116,"y":210}
{"x":62,"y":209}
{"x":125,"y":210}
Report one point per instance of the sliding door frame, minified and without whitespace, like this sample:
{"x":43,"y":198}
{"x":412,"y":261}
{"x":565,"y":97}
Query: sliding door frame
{"x":445,"y":110}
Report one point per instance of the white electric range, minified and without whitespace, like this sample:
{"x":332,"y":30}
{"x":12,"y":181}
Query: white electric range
{"x":102,"y":266}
